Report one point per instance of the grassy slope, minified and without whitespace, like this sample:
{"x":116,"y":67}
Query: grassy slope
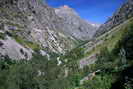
{"x":112,"y":65}
{"x":111,"y":38}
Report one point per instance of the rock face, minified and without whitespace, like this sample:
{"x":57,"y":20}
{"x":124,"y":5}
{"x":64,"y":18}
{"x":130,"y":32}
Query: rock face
{"x":78,"y":27}
{"x":34,"y":22}
{"x":122,"y":14}
{"x":9,"y":48}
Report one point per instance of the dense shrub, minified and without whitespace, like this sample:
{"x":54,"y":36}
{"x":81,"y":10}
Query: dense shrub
{"x":99,"y":82}
{"x":2,"y":36}
{"x":127,"y":42}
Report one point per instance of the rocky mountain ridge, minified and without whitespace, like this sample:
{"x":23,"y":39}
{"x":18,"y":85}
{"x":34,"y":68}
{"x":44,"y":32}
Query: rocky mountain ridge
{"x":122,"y":14}
{"x":80,"y":28}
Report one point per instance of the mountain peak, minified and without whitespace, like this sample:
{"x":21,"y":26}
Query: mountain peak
{"x":79,"y":28}
{"x":66,"y":6}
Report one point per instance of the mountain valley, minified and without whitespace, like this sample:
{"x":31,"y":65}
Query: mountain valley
{"x":54,"y":48}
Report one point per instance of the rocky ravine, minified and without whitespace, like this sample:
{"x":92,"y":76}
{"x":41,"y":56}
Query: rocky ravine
{"x":32,"y":25}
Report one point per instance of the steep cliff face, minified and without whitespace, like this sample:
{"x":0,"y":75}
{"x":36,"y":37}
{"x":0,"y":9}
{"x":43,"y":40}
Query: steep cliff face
{"x":78,"y":27}
{"x":33,"y":22}
{"x":122,"y":14}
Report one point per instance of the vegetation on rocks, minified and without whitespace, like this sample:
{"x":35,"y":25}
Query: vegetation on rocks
{"x":2,"y":36}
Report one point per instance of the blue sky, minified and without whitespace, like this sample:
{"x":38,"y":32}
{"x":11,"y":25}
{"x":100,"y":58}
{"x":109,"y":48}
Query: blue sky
{"x":96,"y":11}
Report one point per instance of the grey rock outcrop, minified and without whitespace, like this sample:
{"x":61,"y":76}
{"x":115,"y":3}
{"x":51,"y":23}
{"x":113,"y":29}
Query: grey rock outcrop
{"x":122,"y":14}
{"x":9,"y":48}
